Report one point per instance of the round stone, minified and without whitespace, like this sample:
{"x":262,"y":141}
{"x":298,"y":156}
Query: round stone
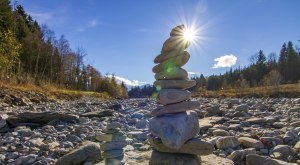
{"x":113,"y":153}
{"x":250,"y":143}
{"x":174,"y":84}
{"x":193,"y":146}
{"x":174,"y":73}
{"x":170,"y":96}
{"x":164,"y":56}
{"x":177,"y":31}
{"x":175,"y":129}
{"x":175,"y":43}
{"x":113,"y":145}
{"x":227,"y":142}
{"x":172,"y":62}
{"x":175,"y":108}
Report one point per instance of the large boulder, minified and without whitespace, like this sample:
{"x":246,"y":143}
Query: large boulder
{"x":88,"y":151}
{"x":174,"y":84}
{"x":161,"y":158}
{"x":170,"y":96}
{"x":40,"y":118}
{"x":175,"y":108}
{"x":193,"y":146}
{"x":175,"y":129}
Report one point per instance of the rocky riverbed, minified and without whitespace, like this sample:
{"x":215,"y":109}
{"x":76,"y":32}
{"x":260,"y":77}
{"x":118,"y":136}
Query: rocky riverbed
{"x":243,"y":131}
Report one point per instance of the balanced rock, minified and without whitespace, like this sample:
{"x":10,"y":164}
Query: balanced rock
{"x":174,"y":43}
{"x":173,"y":73}
{"x":177,"y":31}
{"x":89,"y":151}
{"x":115,"y":161}
{"x":161,"y":158}
{"x":113,"y":153}
{"x":172,"y":62}
{"x":113,"y":145}
{"x":174,"y":84}
{"x":175,"y":108}
{"x":119,"y":136}
{"x":169,"y":96}
{"x":193,"y":146}
{"x":175,"y":129}
{"x":164,"y":56}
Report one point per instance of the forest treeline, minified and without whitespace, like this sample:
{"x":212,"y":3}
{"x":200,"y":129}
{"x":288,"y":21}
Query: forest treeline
{"x":263,"y":71}
{"x":271,"y":70}
{"x":31,"y":53}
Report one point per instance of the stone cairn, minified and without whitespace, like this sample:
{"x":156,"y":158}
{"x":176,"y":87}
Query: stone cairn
{"x":114,"y":142}
{"x":174,"y":124}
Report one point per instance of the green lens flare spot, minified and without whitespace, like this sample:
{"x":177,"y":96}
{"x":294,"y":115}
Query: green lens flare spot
{"x":158,"y":88}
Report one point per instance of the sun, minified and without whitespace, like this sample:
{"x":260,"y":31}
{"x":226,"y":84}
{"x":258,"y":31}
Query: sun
{"x":189,"y":34}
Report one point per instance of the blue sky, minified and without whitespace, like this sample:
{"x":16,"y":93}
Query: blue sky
{"x":124,"y":36}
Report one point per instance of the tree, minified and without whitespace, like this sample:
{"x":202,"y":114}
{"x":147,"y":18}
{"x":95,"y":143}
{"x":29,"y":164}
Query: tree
{"x":272,"y":81}
{"x":282,"y":62}
{"x":9,"y":52}
{"x":292,"y":61}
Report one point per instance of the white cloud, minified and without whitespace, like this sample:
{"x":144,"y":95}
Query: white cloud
{"x":41,"y":17}
{"x":193,"y":74}
{"x":127,"y":82}
{"x":90,"y":24}
{"x":225,"y":61}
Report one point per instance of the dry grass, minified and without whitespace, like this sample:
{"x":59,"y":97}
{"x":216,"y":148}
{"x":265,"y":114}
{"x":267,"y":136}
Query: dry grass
{"x":53,"y":91}
{"x":286,"y":90}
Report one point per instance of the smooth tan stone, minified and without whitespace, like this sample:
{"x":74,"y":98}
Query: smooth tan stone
{"x":175,"y":43}
{"x":193,"y":146}
{"x":175,"y":108}
{"x":169,"y":96}
{"x":177,"y":31}
{"x":250,"y":143}
{"x":176,"y":61}
{"x":172,"y":74}
{"x":164,"y":56}
{"x":174,"y":84}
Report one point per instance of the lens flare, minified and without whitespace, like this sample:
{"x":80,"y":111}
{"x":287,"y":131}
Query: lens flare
{"x":189,"y":34}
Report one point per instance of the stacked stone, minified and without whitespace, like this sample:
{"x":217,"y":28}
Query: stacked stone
{"x":174,"y":124}
{"x":114,"y":142}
